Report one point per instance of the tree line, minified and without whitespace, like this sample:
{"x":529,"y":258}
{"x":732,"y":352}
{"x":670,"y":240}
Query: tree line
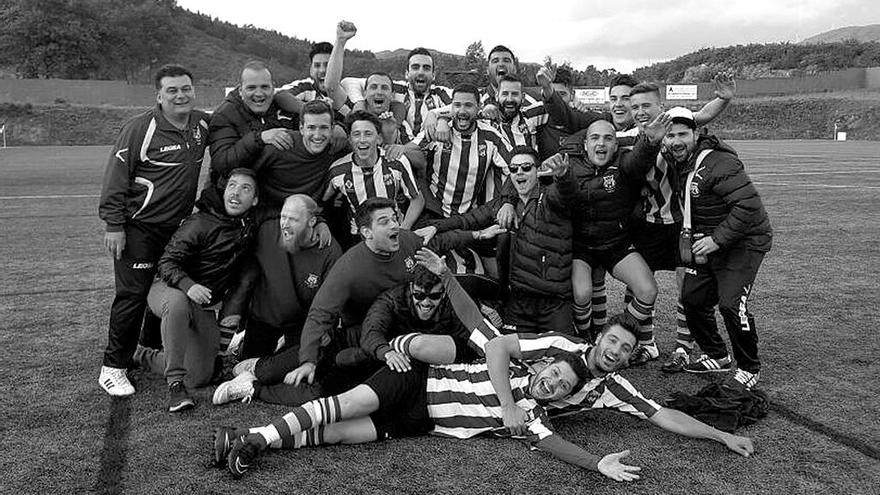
{"x":129,"y":39}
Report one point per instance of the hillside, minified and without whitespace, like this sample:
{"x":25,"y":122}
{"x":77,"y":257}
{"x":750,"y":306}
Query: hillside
{"x":764,"y":60}
{"x":870,"y":32}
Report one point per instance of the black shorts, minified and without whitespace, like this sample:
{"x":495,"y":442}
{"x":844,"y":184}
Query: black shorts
{"x":403,"y":402}
{"x":605,"y":258}
{"x":658,"y":244}
{"x":464,"y":353}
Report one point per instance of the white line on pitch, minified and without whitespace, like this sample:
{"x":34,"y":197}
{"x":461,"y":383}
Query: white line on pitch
{"x":830,"y":186}
{"x":58,"y":196}
{"x":831,"y":172}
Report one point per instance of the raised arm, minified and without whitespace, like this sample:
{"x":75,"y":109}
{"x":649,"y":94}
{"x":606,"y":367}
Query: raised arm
{"x":344,"y":31}
{"x":725,"y":90}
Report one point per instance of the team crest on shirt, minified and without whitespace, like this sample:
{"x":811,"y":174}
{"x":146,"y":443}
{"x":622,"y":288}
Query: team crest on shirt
{"x":388,"y":179}
{"x":609,"y":183}
{"x":447,"y":147}
{"x":349,"y":186}
{"x":523,"y":127}
{"x":695,"y":190}
{"x":312,"y":281}
{"x":409,"y":263}
{"x":481,"y":149}
{"x":591,"y":398}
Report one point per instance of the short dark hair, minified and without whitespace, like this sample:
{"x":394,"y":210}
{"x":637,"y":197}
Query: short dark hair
{"x":645,"y":87}
{"x":380,"y":74}
{"x":171,"y":70}
{"x":315,"y":107}
{"x":563,"y":76}
{"x":353,"y":117}
{"x":424,"y":278}
{"x":509,"y":78}
{"x":238,"y":171}
{"x":364,"y":216}
{"x":623,"y":80}
{"x":624,"y":320}
{"x":466,"y":88}
{"x":501,"y":48}
{"x":523,"y":149}
{"x":419,"y":51}
{"x":318,"y":48}
{"x":578,"y":365}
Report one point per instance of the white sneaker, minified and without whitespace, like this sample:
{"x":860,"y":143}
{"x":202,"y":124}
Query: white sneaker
{"x":240,"y":387}
{"x":744,"y":378}
{"x":115,"y":382}
{"x":247,"y":365}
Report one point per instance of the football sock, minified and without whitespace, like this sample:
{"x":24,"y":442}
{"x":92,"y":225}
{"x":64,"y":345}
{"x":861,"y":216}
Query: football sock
{"x":642,"y":311}
{"x":683,"y":335}
{"x":283,"y":432}
{"x":401,"y":343}
{"x":600,"y":305}
{"x":582,"y":318}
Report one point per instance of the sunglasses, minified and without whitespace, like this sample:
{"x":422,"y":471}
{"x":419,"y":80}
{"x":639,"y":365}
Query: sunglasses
{"x":526,"y":167}
{"x":421,"y":296}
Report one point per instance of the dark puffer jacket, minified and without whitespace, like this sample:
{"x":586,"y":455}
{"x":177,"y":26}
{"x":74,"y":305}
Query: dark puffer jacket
{"x":206,"y":248}
{"x":234,"y":134}
{"x":607,"y":196}
{"x":393,"y":314}
{"x":724,"y":202}
{"x":539,"y":255}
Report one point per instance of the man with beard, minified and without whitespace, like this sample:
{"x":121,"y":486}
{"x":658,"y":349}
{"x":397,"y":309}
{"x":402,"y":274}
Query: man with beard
{"x":330,"y":341}
{"x":198,"y":267}
{"x":282,"y":278}
{"x":520,"y":125}
{"x":537,"y":273}
{"x":149,"y":187}
{"x":730,"y":234}
{"x":312,"y":87}
{"x":656,"y":231}
{"x":412,"y":321}
{"x":523,"y":378}
{"x":420,"y":95}
{"x":621,"y":114}
{"x":459,"y":172}
{"x":501,"y":63}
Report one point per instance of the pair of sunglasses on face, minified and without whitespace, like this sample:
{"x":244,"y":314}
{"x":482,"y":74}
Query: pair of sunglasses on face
{"x":516,"y":167}
{"x":421,"y":296}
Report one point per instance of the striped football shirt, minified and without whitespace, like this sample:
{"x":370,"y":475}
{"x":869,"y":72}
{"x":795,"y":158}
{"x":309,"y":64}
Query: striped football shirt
{"x":385,"y":179}
{"x":304,"y":89}
{"x":460,"y":173}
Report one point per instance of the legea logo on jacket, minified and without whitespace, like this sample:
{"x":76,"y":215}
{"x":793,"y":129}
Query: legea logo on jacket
{"x":170,"y":147}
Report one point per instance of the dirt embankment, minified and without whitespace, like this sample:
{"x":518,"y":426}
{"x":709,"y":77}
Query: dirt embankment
{"x":784,"y":117}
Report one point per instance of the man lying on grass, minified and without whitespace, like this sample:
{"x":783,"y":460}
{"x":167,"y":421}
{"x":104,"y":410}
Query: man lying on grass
{"x":500,"y":396}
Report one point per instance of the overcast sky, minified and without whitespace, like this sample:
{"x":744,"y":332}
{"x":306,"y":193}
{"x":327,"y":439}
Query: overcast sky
{"x":623,"y":34}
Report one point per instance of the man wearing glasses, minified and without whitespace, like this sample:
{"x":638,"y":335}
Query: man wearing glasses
{"x":536,"y":263}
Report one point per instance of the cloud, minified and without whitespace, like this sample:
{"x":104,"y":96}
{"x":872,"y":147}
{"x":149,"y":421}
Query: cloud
{"x":623,"y":34}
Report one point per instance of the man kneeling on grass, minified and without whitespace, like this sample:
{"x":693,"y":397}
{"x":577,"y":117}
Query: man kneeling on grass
{"x":499,"y":396}
{"x":196,"y":270}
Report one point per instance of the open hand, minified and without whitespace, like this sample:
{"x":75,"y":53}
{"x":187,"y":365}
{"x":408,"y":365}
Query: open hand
{"x":611,"y":467}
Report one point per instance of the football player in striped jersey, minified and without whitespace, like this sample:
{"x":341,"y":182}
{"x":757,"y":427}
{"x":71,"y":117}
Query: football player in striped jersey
{"x":509,"y":395}
{"x":366,"y":173}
